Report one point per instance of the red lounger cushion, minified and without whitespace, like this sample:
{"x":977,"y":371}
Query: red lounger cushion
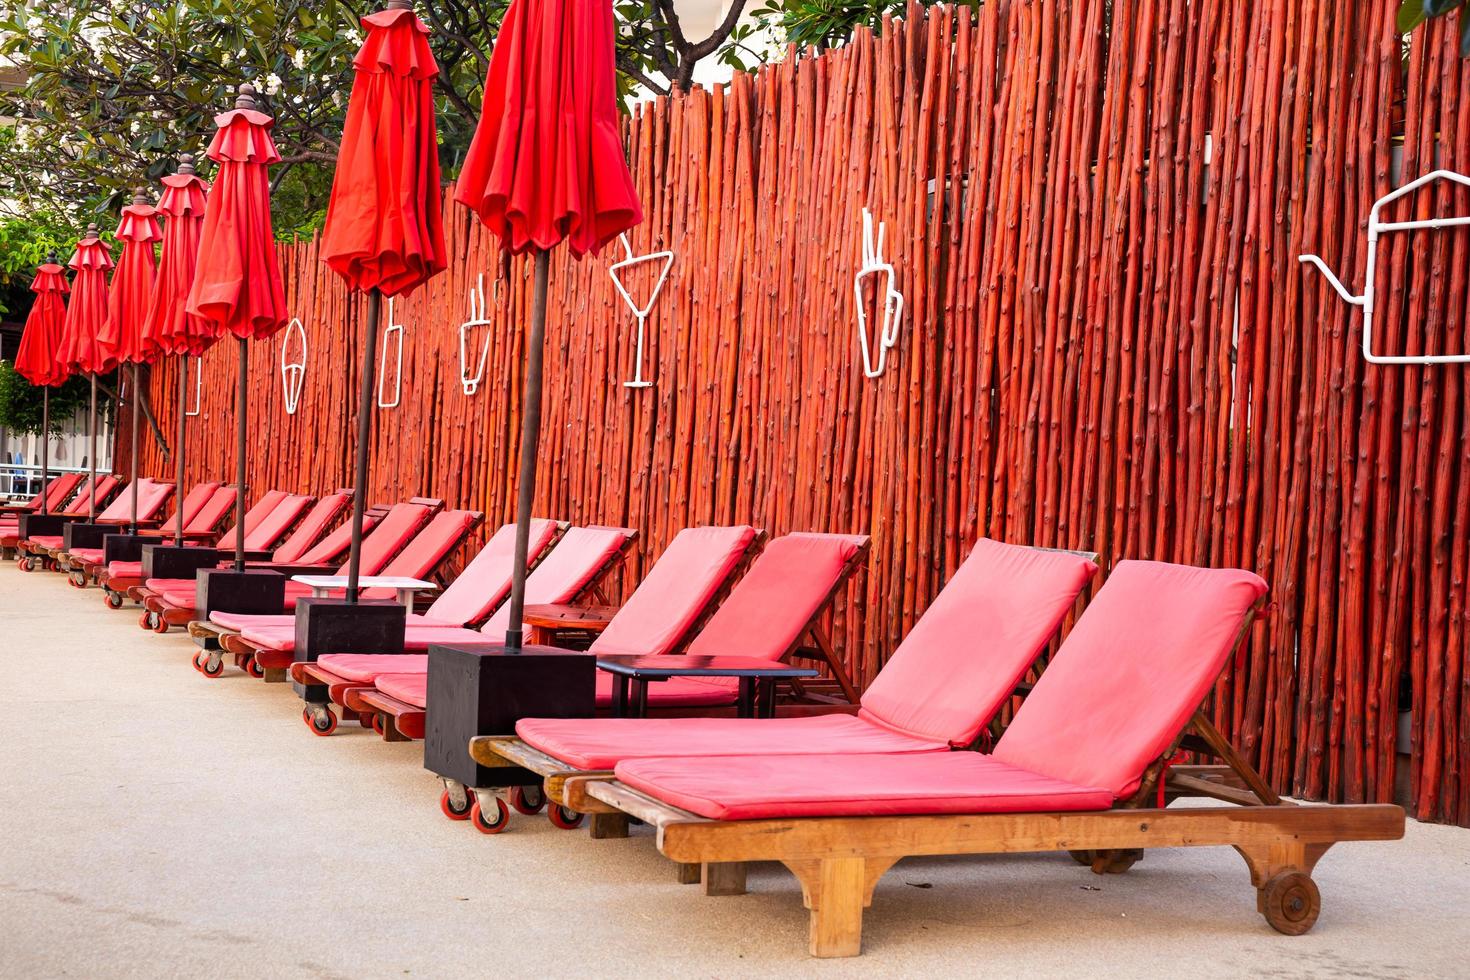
{"x":485,"y":581}
{"x":581,"y":553}
{"x":48,"y":542}
{"x":89,"y":555}
{"x":760,"y":787}
{"x":601,"y":743}
{"x":676,"y":590}
{"x":279,"y":632}
{"x":408,"y":688}
{"x":1133,"y":670}
{"x":125,"y":569}
{"x":366,"y":668}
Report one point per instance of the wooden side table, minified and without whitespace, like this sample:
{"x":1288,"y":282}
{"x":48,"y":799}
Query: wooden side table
{"x":757,"y":675}
{"x":547,"y":620}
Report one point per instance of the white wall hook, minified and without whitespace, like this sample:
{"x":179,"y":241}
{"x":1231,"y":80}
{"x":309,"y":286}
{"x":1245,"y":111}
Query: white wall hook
{"x":874,"y":266}
{"x":293,"y":371}
{"x":198,"y":363}
{"x":470,"y":379}
{"x":1376,"y":228}
{"x":639,"y":312}
{"x":393,"y":333}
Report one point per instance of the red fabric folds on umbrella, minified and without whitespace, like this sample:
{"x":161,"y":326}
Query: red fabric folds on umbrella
{"x":38,"y":359}
{"x":87,"y":312}
{"x":170,"y":329}
{"x":384,"y":228}
{"x":121,"y":337}
{"x":238,"y":286}
{"x":547,"y":162}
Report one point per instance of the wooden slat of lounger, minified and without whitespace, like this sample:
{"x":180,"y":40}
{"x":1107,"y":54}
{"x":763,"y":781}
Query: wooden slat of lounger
{"x":498,"y":752}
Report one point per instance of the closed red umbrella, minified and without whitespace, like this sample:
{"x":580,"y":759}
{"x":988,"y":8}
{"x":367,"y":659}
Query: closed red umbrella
{"x":238,"y":288}
{"x":170,"y":329}
{"x":384,"y":233}
{"x":547,"y":165}
{"x":85,"y":315}
{"x":38,"y":359}
{"x":121,"y":337}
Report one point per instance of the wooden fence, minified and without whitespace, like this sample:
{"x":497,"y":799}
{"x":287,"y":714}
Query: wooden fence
{"x":1094,"y":210}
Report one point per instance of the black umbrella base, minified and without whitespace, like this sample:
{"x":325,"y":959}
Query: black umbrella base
{"x":336,"y":626}
{"x":80,"y":534}
{"x":174,"y":561}
{"x":123,"y":547}
{"x":32,"y":525}
{"x":253,"y":591}
{"x":482,"y":689}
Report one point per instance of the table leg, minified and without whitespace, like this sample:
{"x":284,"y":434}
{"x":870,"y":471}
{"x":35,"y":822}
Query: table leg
{"x":745,"y":706}
{"x":640,"y":697}
{"x":765,"y":692}
{"x":620,"y":696}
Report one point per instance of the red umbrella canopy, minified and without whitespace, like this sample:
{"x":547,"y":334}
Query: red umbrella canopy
{"x":121,"y":338}
{"x":87,"y":311}
{"x":384,"y":228}
{"x":547,"y":163}
{"x":238,"y":290}
{"x":169,"y":328}
{"x":38,"y":358}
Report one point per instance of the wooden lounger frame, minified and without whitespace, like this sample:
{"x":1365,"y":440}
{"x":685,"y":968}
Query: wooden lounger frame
{"x":839,"y":860}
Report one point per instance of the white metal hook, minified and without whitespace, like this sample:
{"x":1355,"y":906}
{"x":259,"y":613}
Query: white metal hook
{"x":394,"y":330}
{"x":293,"y":373}
{"x":198,"y":384}
{"x":639,"y":312}
{"x":471,"y":382}
{"x":873,"y":265}
{"x":1375,"y":229}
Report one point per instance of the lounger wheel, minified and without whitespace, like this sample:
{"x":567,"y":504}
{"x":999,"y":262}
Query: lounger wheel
{"x":211,"y":667}
{"x":145,"y":621}
{"x":490,"y":825}
{"x":25,"y":565}
{"x":1290,"y":902}
{"x":159,"y":624}
{"x":377,"y":723}
{"x":77,"y":580}
{"x":1109,"y":862}
{"x":563,"y":818}
{"x":198,"y":661}
{"x":323,"y":721}
{"x":446,"y":804}
{"x":252,"y":668}
{"x":366,"y":719}
{"x":527,"y":799}
{"x":114,"y":600}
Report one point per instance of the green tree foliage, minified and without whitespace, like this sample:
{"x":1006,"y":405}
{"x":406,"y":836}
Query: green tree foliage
{"x":1412,"y":13}
{"x":20,"y":403}
{"x":24,"y":244}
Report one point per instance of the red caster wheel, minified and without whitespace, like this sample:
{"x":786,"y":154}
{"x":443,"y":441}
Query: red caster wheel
{"x":51,"y":565}
{"x":160,"y":625}
{"x":562,"y":818}
{"x":198,"y":661}
{"x":446,"y":804}
{"x":527,"y":799}
{"x":252,"y":668}
{"x":211,"y":668}
{"x":365,"y":719}
{"x":323,"y":722}
{"x":490,"y":825}
{"x":77,"y":580}
{"x":114,"y":600}
{"x":145,"y":621}
{"x":24,"y":564}
{"x":377,"y":723}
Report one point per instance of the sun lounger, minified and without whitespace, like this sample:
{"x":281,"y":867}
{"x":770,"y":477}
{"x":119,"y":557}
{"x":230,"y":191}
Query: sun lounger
{"x":948,"y":678}
{"x":387,"y":552}
{"x":1078,"y":770}
{"x":204,"y":508}
{"x":678,"y":593}
{"x":169,"y":602}
{"x":582,"y":559}
{"x":34,"y":552}
{"x":153,"y":496}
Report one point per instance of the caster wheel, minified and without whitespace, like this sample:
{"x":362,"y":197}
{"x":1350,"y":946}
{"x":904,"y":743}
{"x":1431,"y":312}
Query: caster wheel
{"x":451,"y":811}
{"x":145,"y":621}
{"x":1108,"y":862}
{"x":211,"y":668}
{"x":159,"y":624}
{"x":1290,"y":902}
{"x":490,"y":825}
{"x":76,"y":580}
{"x":321,"y":723}
{"x":114,"y":600}
{"x":24,"y":564}
{"x":377,"y":723}
{"x":527,"y":799}
{"x":198,"y":661}
{"x":51,"y":565}
{"x":252,"y":668}
{"x":562,"y":818}
{"x":366,"y":718}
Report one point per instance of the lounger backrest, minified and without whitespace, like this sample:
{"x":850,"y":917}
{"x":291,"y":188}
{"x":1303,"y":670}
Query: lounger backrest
{"x":579,"y":557}
{"x":676,"y":591}
{"x":192,"y":503}
{"x":1134,"y":669}
{"x":770,"y":607}
{"x":152,"y":495}
{"x":308,"y":539}
{"x":485,"y":581}
{"x":92,"y":491}
{"x":262,"y":509}
{"x":388,"y":538}
{"x":57,"y":491}
{"x":426,"y":550}
{"x":964,"y":656}
{"x":214,"y":509}
{"x":273,"y":524}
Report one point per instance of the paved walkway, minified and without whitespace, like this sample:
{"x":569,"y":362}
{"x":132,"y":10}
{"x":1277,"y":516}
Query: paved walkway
{"x":156,"y":823}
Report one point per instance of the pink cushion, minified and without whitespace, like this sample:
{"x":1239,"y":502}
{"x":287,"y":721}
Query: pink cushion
{"x":1137,"y":665}
{"x":395,"y":531}
{"x":279,"y":633}
{"x":309,"y":532}
{"x":195,"y":501}
{"x":152,"y":495}
{"x":125,"y":569}
{"x":426,"y":550}
{"x":209,"y":514}
{"x":89,"y":555}
{"x":366,"y":668}
{"x":601,"y":743}
{"x":264,"y":530}
{"x":485,"y":581}
{"x":770,"y":607}
{"x":177,"y":597}
{"x":579,"y":556}
{"x":47,"y":541}
{"x":755,"y":787}
{"x":676,"y":590}
{"x":963,"y":657}
{"x":676,"y":692}
{"x":408,"y":688}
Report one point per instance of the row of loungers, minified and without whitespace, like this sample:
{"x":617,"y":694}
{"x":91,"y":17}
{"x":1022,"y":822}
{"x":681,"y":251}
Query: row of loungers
{"x":1089,"y":764}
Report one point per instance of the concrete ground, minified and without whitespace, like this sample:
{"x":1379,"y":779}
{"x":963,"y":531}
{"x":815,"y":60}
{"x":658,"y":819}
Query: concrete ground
{"x":155,"y":823}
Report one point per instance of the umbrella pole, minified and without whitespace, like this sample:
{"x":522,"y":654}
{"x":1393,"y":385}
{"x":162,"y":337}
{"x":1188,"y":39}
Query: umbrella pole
{"x":45,"y":449}
{"x":92,"y":453}
{"x":241,"y":406}
{"x":364,"y":433}
{"x":530,"y":439}
{"x":179,"y":446}
{"x":133,"y":458}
